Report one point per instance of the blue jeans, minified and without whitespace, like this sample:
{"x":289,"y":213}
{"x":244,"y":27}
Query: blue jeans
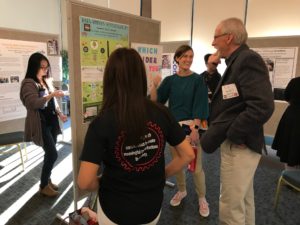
{"x":49,"y":139}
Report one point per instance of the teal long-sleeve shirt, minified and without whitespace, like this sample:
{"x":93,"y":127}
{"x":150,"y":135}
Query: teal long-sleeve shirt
{"x":188,"y":98}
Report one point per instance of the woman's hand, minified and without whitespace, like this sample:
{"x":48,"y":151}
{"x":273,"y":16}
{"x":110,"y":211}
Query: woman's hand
{"x":194,"y":136}
{"x":156,"y":80}
{"x":58,"y":93}
{"x":153,"y":87}
{"x":185,"y":154}
{"x":62,"y":117}
{"x":92,"y":215}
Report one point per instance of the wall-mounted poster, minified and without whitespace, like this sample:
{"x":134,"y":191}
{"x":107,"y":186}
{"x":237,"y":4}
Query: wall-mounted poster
{"x":281,"y":63}
{"x":98,"y":38}
{"x":14,"y":55}
{"x":152,"y":57}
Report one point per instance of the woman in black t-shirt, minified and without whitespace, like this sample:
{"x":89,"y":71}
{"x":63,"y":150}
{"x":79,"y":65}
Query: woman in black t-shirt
{"x":129,"y":136}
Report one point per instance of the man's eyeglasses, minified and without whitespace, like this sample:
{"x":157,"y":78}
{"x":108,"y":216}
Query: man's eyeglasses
{"x":220,"y":35}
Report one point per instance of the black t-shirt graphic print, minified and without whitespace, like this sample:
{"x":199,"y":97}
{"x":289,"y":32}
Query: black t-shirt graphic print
{"x":144,"y":155}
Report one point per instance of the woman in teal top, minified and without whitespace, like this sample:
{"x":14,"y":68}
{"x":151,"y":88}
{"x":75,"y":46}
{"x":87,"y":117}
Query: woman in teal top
{"x":186,"y":95}
{"x":187,"y":98}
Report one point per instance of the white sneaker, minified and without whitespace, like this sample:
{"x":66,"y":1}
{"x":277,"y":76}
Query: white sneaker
{"x":203,"y":207}
{"x":176,"y":200}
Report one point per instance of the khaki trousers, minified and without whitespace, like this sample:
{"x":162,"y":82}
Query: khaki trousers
{"x":238,"y":166}
{"x":198,"y":175}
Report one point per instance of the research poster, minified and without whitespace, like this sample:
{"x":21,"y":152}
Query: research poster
{"x":14,"y":55}
{"x":152,"y":57}
{"x":169,"y":66}
{"x":98,"y":38}
{"x":281,"y":63}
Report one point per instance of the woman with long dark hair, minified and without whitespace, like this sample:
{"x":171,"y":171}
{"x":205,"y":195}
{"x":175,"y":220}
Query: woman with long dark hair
{"x":129,"y":137}
{"x":41,"y":125}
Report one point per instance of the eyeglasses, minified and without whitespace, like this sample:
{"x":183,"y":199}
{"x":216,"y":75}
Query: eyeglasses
{"x":220,"y":35}
{"x":44,"y":67}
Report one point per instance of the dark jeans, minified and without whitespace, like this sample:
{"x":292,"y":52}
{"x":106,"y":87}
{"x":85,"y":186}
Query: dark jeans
{"x":49,"y":139}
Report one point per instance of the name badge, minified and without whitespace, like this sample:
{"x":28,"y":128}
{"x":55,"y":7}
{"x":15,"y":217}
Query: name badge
{"x":229,"y":91}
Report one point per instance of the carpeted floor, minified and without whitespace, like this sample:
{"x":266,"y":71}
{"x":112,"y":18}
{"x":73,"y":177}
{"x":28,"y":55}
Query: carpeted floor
{"x":265,"y":184}
{"x":38,"y":210}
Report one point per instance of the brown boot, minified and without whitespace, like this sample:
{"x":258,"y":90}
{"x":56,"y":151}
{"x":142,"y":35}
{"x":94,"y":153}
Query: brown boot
{"x":48,"y":191}
{"x":53,"y":186}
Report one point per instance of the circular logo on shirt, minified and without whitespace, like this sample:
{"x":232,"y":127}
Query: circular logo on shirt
{"x":143,"y":155}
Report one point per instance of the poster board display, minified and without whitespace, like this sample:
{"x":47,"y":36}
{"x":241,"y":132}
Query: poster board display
{"x":277,"y":42}
{"x":14,"y":55}
{"x":284,"y":49}
{"x":281,"y":63}
{"x":32,"y":40}
{"x":152,"y":58}
{"x":98,"y":38}
{"x":141,"y":30}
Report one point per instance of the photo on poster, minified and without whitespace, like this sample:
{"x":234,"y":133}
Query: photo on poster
{"x":169,"y":65}
{"x":14,"y":79}
{"x":52,"y":47}
{"x":166,"y":61}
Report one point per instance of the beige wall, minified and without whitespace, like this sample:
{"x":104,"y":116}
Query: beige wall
{"x":49,"y":16}
{"x":175,"y":17}
{"x":128,"y":6}
{"x":207,"y":14}
{"x":264,"y":18}
{"x":31,"y":15}
{"x":273,"y":18}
